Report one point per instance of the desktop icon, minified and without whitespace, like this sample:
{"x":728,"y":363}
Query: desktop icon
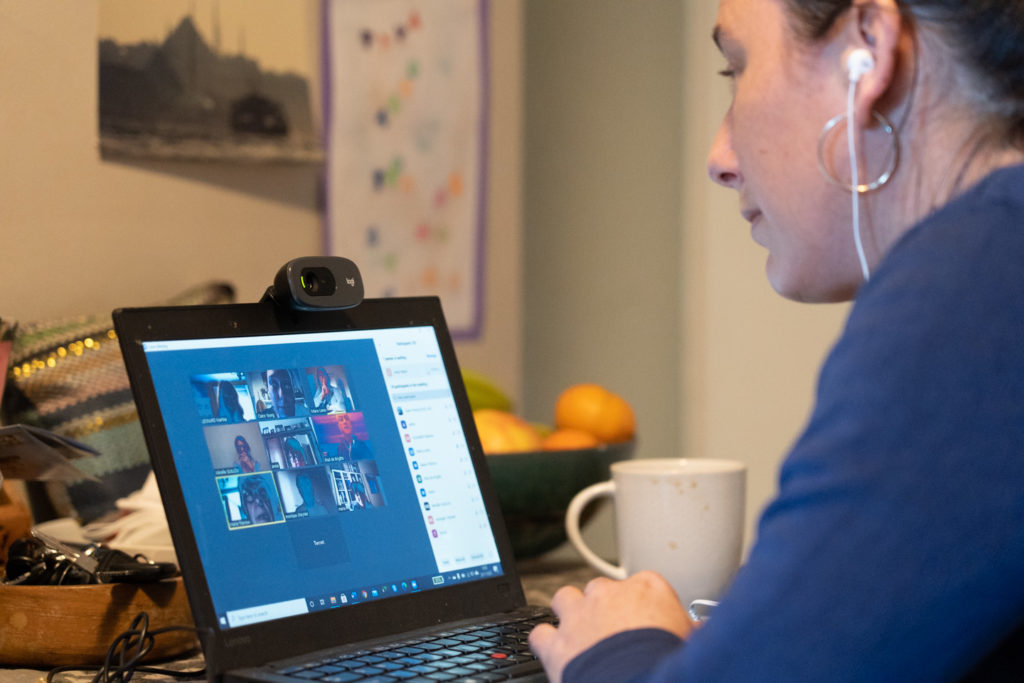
{"x":400,"y":410}
{"x":375,"y":593}
{"x":414,"y":584}
{"x":404,"y":425}
{"x":426,"y":505}
{"x":365,"y":595}
{"x":412,"y":452}
{"x":433,"y":532}
{"x":423,"y":493}
{"x":405,"y":586}
{"x":344,"y":598}
{"x":430,"y":519}
{"x":415,"y":465}
{"x":419,"y":479}
{"x":394,"y":588}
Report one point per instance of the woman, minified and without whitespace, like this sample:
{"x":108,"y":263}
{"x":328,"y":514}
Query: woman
{"x":322,"y":389}
{"x":231,"y":406}
{"x":243,"y":454}
{"x":294,"y":454}
{"x":895,"y":547}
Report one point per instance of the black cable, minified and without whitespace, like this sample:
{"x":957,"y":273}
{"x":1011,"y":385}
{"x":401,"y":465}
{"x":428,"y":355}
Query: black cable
{"x":126,"y":653}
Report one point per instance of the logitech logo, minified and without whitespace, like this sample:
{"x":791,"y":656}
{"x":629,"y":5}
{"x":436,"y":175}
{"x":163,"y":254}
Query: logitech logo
{"x":350,"y":281}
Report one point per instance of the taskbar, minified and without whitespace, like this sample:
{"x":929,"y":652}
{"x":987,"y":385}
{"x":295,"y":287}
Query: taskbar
{"x":288,"y":608}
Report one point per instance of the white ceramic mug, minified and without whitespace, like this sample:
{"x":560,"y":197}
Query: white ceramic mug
{"x":681,"y":517}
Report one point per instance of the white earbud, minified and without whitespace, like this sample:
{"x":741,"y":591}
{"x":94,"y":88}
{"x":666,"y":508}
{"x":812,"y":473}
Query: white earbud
{"x":858,"y":63}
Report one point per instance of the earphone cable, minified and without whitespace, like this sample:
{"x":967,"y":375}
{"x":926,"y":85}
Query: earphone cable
{"x":855,"y":178}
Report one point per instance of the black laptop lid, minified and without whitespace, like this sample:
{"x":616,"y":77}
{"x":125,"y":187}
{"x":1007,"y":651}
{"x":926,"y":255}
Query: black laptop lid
{"x":322,"y":477}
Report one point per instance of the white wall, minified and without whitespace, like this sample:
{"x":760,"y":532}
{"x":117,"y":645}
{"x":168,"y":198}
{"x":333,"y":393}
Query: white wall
{"x":80,"y":235}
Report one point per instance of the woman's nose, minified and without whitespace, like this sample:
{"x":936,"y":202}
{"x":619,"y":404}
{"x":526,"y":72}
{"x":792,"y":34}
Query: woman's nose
{"x":722,"y":164}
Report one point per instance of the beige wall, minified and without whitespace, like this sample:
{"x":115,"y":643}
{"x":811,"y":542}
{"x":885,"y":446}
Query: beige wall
{"x":749,"y":357}
{"x":601,"y":274}
{"x":639,"y":271}
{"x":80,"y":235}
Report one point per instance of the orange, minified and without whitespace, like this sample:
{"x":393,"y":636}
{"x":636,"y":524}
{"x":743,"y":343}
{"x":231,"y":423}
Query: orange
{"x":566,"y":439}
{"x":503,"y":432}
{"x":594,"y":409}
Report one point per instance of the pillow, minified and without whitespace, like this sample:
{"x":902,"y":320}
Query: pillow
{"x":68,"y":376}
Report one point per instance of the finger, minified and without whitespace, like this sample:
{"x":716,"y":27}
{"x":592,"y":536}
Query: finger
{"x":597,"y":584}
{"x":541,"y":636}
{"x":651,"y":578}
{"x":564,"y":598}
{"x":543,"y":642}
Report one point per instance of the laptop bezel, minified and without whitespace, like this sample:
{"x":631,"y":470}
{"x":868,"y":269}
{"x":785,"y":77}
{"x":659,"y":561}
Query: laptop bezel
{"x":257,"y":644}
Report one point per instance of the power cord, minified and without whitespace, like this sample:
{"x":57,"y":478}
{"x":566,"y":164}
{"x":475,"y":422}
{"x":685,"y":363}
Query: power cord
{"x":127,"y":652}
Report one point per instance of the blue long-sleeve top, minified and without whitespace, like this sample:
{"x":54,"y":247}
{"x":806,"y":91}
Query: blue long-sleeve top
{"x":894,"y":550}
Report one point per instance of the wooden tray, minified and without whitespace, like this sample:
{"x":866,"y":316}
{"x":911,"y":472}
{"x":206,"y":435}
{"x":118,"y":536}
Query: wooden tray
{"x":49,"y":626}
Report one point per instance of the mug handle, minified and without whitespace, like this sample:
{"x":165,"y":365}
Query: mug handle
{"x":572,"y":527}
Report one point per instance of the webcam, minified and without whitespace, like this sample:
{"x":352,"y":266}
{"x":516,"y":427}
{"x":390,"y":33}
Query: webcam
{"x":317,"y":282}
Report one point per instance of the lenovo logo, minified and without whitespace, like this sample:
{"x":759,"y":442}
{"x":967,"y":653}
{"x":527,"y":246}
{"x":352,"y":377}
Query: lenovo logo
{"x":236,"y":641}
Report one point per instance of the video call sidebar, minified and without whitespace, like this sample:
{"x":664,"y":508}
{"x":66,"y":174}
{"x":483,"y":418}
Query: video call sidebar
{"x":438,"y":456}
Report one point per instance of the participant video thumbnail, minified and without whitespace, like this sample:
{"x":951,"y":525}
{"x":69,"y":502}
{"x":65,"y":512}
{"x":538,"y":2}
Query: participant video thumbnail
{"x":357,"y":485}
{"x":343,"y":437}
{"x":306,"y":492}
{"x":290,"y":443}
{"x":328,"y":391}
{"x":223,"y":397}
{"x":250,"y":500}
{"x":236,"y":448}
{"x":278,"y":393}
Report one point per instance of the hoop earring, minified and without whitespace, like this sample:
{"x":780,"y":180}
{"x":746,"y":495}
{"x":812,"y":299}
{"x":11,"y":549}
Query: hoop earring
{"x":878,"y":182}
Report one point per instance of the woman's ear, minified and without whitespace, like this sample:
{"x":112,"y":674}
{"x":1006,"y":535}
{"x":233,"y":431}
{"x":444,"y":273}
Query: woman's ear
{"x":875,"y":26}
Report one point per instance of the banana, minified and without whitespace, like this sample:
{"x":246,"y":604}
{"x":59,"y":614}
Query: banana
{"x":484,"y":393}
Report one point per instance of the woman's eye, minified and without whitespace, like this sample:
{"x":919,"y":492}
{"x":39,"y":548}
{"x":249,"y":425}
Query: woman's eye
{"x":727,"y":73}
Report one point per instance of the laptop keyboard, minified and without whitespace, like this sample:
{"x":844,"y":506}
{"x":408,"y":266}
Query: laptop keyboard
{"x":481,"y":652}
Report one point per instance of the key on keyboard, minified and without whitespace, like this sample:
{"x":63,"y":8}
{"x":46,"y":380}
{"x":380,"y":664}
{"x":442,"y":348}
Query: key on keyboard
{"x":482,"y":652}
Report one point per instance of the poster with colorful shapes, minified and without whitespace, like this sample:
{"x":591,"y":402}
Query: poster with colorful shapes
{"x":406,"y":98}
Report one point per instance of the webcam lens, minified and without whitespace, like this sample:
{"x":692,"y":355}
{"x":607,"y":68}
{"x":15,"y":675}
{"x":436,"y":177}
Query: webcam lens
{"x":317,"y":282}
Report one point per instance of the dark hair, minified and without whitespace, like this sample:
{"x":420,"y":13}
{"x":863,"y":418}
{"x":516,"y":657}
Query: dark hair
{"x":230,"y":396}
{"x":987,"y":36}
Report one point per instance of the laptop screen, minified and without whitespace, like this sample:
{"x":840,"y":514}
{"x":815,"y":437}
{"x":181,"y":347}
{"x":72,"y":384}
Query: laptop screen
{"x":321,"y":470}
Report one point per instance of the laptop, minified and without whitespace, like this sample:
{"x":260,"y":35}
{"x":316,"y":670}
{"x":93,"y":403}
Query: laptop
{"x":327,"y":494}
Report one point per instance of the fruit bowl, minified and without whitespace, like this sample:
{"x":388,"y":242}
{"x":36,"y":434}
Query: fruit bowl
{"x":535,"y":487}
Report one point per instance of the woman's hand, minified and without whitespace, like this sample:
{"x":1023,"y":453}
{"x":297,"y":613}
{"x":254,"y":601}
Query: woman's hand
{"x":604,"y":608}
